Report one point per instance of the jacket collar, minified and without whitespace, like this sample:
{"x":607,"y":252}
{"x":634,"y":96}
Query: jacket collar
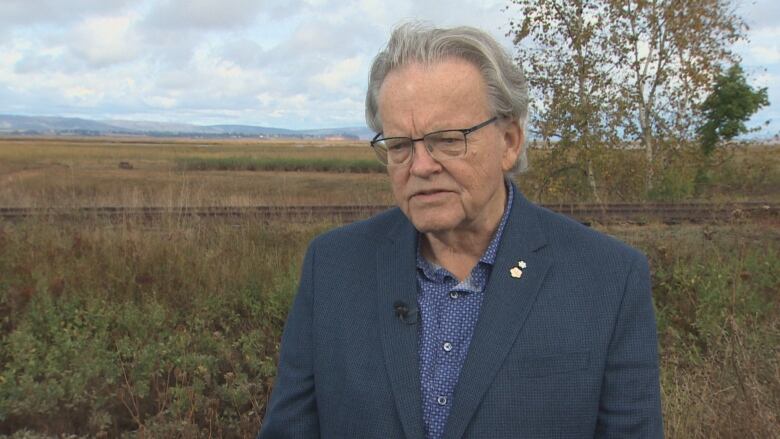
{"x":508,"y":300}
{"x":397,"y":284}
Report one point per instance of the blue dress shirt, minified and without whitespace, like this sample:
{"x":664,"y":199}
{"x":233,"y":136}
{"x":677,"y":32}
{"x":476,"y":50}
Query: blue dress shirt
{"x":449,"y":311}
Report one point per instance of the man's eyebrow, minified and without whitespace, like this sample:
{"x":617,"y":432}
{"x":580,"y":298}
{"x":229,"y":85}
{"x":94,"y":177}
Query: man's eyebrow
{"x":445,"y":127}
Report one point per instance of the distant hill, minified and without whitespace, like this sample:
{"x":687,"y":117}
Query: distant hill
{"x":13,"y":124}
{"x":49,"y":124}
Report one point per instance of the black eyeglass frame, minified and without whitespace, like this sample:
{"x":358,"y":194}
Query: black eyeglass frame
{"x":412,"y":141}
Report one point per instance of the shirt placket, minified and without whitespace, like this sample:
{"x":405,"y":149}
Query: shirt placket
{"x":449,"y":347}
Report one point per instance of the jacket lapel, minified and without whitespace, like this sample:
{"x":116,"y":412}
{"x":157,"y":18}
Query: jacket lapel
{"x":507,"y":302}
{"x":397,"y":282}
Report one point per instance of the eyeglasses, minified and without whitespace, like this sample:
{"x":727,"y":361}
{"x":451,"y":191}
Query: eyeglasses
{"x":441,"y":145}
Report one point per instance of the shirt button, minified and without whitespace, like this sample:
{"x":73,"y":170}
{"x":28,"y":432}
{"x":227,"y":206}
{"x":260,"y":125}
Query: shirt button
{"x":447,"y":346}
{"x":441,"y":400}
{"x":454,"y":295}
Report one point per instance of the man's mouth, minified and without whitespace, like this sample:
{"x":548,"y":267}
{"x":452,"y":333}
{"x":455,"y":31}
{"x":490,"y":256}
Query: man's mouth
{"x":429,"y":194}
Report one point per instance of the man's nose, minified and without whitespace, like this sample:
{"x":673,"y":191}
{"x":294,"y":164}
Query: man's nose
{"x":423,"y":164}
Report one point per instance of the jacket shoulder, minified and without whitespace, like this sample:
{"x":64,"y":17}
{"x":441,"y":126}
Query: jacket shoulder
{"x":374,"y":229}
{"x":575,"y":238}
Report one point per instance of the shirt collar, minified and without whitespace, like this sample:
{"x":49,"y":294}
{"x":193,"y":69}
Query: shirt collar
{"x":489,"y":256}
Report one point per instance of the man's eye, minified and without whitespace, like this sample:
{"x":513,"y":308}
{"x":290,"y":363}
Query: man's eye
{"x":397,"y":146}
{"x":447,"y":137}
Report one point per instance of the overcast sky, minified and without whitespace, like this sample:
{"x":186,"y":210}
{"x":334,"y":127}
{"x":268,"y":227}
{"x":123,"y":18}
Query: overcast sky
{"x":284,"y":63}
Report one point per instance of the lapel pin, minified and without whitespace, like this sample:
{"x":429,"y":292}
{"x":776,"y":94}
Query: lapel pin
{"x":517,"y":272}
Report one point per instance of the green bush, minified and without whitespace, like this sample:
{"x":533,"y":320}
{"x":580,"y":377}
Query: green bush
{"x":674,"y":185}
{"x":188,"y":348}
{"x":718,"y":312}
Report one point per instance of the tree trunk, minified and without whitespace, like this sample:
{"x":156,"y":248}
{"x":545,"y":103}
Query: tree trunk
{"x":650,"y":174}
{"x":592,"y":182}
{"x":647,"y":142}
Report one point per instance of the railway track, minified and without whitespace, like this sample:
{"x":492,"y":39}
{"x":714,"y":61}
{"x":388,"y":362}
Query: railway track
{"x":632,"y":213}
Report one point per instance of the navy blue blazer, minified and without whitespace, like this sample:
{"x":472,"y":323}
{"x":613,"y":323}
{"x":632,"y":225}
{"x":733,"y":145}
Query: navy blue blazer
{"x":568,"y":350}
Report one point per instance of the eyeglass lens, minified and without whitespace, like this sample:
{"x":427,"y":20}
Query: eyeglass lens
{"x":442,"y":146}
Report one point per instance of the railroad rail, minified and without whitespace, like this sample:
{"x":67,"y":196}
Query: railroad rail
{"x":630,"y":213}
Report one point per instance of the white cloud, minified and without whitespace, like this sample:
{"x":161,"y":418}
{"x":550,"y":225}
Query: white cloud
{"x":103,"y":41}
{"x":11,"y":54}
{"x":340,"y":75}
{"x":486,"y":14}
{"x":164,"y":102}
{"x":759,"y":13}
{"x":243,"y":52}
{"x":82,"y":95}
{"x":762,"y":47}
{"x":35,"y":62}
{"x":768,"y":55}
{"x":766,"y":33}
{"x":766,"y":79}
{"x":22,"y":13}
{"x":378,"y":11}
{"x":212,"y":15}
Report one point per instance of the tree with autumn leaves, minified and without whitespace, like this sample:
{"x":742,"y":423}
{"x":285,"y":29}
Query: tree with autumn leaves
{"x":607,"y":73}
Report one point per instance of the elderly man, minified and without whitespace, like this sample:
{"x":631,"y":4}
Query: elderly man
{"x":467,"y":312}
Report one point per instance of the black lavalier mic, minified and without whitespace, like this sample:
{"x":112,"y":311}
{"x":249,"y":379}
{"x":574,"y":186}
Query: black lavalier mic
{"x":404,"y":314}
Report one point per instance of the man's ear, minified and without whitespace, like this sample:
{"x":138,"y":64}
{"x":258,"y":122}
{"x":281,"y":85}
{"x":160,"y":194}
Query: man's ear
{"x":514,"y":140}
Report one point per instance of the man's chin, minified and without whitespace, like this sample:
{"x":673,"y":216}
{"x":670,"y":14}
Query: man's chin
{"x":431,"y":222}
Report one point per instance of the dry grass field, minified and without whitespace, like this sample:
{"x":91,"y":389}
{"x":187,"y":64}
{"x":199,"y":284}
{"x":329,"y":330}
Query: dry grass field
{"x":70,"y":172}
{"x":64,"y":172}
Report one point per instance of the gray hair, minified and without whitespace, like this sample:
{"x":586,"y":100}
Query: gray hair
{"x":422,"y":43}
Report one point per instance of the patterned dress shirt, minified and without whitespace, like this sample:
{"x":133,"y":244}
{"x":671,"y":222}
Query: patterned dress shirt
{"x":449,"y":310}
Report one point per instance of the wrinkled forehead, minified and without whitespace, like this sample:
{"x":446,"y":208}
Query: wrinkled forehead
{"x":451,"y":89}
